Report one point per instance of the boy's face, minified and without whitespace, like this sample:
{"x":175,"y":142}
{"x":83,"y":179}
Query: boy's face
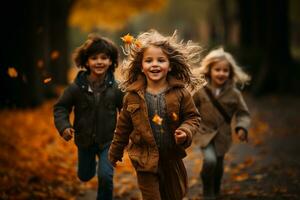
{"x":98,"y":64}
{"x":219,"y":73}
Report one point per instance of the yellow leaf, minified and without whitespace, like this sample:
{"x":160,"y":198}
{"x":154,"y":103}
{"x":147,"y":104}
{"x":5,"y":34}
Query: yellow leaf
{"x":174,"y":116}
{"x":12,"y":72}
{"x":54,"y":55}
{"x":241,"y":177}
{"x":138,"y":44}
{"x":47,"y":80}
{"x":127,"y":39}
{"x":157,"y":119}
{"x":40,"y":63}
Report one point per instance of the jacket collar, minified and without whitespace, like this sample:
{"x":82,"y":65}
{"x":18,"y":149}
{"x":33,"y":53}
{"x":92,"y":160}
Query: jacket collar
{"x":140,"y":83}
{"x":228,"y":85}
{"x":82,"y":82}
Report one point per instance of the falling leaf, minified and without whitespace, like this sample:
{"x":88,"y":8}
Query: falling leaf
{"x":157,"y":119}
{"x":174,"y":116}
{"x":40,"y":63}
{"x":128,"y":39}
{"x":12,"y":72}
{"x":47,"y":80}
{"x":54,"y":55}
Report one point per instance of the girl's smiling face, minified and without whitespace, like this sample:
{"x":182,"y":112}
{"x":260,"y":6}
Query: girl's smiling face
{"x":219,"y":73}
{"x":155,"y":64}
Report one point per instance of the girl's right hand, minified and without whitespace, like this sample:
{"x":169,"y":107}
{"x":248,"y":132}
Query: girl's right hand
{"x":68,"y":134}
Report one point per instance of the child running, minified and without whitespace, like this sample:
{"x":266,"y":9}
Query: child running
{"x":95,"y":98}
{"x":158,"y":118}
{"x":218,"y":102}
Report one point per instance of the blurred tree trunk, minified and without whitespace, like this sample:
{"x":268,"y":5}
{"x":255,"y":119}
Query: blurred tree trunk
{"x":28,"y":39}
{"x":59,"y":40}
{"x":225,"y":20}
{"x":265,"y":29}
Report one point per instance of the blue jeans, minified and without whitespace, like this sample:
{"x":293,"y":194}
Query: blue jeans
{"x":212,"y":172}
{"x":87,"y":168}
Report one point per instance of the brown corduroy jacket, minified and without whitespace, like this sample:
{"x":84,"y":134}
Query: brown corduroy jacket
{"x":133,"y":126}
{"x":213,"y":127}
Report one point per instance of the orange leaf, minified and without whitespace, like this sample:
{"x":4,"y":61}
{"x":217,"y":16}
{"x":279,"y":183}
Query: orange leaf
{"x":174,"y":116}
{"x":157,"y":119}
{"x":47,"y":80}
{"x":241,"y":177}
{"x":40,"y":63}
{"x":128,"y":39}
{"x":54,"y":55}
{"x":12,"y":72}
{"x":138,"y":44}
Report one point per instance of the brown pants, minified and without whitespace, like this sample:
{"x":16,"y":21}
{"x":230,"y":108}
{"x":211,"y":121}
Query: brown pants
{"x":149,"y":185}
{"x":170,"y":183}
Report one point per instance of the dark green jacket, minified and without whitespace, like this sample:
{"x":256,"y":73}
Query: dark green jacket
{"x":94,"y":122}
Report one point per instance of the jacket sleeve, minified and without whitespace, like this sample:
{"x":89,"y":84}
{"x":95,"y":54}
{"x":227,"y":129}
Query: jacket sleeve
{"x":190,"y":117}
{"x":62,"y":109}
{"x":121,"y":135}
{"x":196,"y":98}
{"x":120,"y":96}
{"x":203,"y":128}
{"x":242,"y":114}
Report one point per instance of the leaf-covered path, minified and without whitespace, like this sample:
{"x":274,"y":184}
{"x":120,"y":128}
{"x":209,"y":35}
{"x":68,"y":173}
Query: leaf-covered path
{"x":35,"y":163}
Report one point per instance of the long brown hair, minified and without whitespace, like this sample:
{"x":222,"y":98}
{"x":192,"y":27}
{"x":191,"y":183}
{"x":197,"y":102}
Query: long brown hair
{"x":182,"y":57}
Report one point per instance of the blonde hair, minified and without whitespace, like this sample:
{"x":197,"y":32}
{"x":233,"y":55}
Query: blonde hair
{"x":237,"y":74}
{"x":182,"y":57}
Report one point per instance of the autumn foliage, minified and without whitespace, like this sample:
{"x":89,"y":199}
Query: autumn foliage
{"x":111,"y":15}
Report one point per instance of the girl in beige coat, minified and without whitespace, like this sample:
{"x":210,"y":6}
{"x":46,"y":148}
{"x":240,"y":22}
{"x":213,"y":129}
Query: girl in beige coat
{"x":222,"y":74}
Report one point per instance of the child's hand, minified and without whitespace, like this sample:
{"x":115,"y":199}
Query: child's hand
{"x":180,"y":136}
{"x":242,"y":135}
{"x":68,"y":134}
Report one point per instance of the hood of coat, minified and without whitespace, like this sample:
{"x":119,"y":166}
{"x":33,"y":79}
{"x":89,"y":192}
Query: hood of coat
{"x":83,"y":83}
{"x":140,"y":83}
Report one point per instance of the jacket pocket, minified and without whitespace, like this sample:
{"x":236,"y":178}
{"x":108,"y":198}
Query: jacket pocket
{"x":136,"y":116}
{"x":132,"y":108}
{"x":138,"y":155}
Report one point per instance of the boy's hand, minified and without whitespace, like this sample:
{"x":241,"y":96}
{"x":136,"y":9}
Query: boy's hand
{"x":68,"y":134}
{"x":180,"y":136}
{"x":242,"y":135}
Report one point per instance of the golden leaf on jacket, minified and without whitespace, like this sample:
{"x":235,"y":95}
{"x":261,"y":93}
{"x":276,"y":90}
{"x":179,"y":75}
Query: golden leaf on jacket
{"x":174,"y":116}
{"x":157,"y":119}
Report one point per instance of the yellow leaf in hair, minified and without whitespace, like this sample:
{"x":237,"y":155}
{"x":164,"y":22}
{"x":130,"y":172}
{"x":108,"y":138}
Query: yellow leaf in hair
{"x":174,"y":116}
{"x":128,"y":39}
{"x":12,"y":72}
{"x":138,"y":44}
{"x":157,"y":119}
